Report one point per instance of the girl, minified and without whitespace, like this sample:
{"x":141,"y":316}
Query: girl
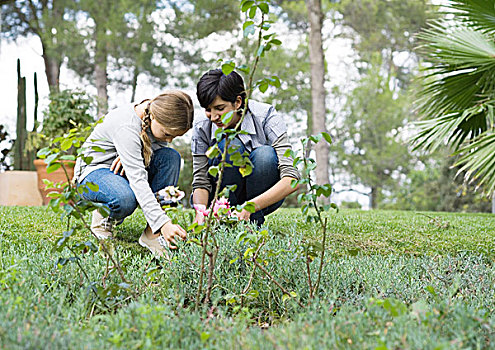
{"x":135,"y":164}
{"x":266,"y":142}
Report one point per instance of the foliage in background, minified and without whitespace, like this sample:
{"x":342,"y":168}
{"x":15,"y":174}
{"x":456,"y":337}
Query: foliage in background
{"x":435,"y":187}
{"x":370,"y":148}
{"x":47,"y":20}
{"x":66,"y":110}
{"x":456,"y":101}
{"x":5,"y":148}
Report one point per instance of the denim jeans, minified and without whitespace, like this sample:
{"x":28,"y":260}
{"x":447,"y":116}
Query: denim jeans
{"x":115,"y":191}
{"x":265,"y":174}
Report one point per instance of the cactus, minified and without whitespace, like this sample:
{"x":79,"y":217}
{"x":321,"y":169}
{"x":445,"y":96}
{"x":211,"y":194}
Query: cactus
{"x":20,"y":161}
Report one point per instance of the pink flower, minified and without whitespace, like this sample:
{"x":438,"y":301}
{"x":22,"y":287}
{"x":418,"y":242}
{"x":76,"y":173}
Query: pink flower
{"x":201,"y":208}
{"x":221,"y":207}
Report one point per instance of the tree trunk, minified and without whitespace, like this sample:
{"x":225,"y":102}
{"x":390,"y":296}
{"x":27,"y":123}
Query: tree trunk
{"x":493,"y":203}
{"x":101,"y":73}
{"x":374,"y":197}
{"x":134,"y":83}
{"x":52,"y":69}
{"x":318,"y":94}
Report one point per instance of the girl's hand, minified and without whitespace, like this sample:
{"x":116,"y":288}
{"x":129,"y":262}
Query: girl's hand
{"x":169,"y":231}
{"x":117,"y":167}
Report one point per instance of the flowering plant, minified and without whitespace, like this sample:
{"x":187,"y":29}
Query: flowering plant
{"x":221,"y":209}
{"x":169,"y":195}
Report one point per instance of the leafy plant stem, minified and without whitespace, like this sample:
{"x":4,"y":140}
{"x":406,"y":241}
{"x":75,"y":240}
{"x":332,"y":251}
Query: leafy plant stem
{"x":285,"y":291}
{"x":322,"y":256}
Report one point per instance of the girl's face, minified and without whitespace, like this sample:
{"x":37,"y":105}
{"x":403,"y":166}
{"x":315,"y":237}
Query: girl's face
{"x":162,"y":133}
{"x":219,"y":107}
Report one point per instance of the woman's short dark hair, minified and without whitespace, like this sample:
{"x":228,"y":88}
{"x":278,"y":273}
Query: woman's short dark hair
{"x":214,"y":83}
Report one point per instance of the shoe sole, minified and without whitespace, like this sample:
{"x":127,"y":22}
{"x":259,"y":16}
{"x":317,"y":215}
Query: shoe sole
{"x":142,"y":244}
{"x":102,"y":236}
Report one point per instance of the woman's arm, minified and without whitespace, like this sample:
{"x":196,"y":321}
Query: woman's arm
{"x":274,"y":194}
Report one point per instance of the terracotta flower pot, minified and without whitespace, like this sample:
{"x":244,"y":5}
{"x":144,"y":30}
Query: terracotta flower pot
{"x":56,"y":176}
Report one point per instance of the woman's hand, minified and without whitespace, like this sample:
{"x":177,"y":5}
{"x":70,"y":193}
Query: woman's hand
{"x":243,"y":214}
{"x":169,"y":231}
{"x":117,"y":167}
{"x":199,"y":219}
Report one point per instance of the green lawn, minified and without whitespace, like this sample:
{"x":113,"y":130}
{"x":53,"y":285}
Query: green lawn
{"x":391,"y":279}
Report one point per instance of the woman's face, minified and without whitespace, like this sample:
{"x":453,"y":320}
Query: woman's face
{"x":162,"y":133}
{"x":219,"y":107}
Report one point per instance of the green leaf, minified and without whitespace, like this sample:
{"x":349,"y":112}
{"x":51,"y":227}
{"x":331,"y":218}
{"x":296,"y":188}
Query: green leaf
{"x":228,"y":67}
{"x":263,"y":86}
{"x":327,"y":137}
{"x":92,"y":186}
{"x":253,"y":293}
{"x":213,"y":151}
{"x":246,"y":5}
{"x":252,"y":12}
{"x":53,"y":167}
{"x":248,"y":30}
{"x":227,"y":117}
{"x":213,"y":171}
{"x":66,"y":144}
{"x":246,"y":170}
{"x":260,"y":52}
{"x":264,"y":7}
{"x":316,"y":138}
{"x":205,"y":336}
{"x":250,"y":207}
{"x":275,"y":42}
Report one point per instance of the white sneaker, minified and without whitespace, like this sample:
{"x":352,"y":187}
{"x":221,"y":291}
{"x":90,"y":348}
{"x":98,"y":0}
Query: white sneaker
{"x":158,"y":246}
{"x":102,"y":227}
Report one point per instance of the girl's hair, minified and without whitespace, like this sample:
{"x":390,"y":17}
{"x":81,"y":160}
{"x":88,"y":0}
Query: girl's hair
{"x":172,"y":109}
{"x":214,"y":83}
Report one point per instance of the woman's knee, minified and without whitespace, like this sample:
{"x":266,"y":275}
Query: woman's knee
{"x":264,"y":157}
{"x":167,"y":155}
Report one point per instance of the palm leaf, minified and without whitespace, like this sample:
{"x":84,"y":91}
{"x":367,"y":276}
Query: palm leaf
{"x":478,"y":160}
{"x":456,"y":87}
{"x":479,"y":13}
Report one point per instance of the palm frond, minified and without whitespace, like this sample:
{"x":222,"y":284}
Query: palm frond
{"x":457,"y":46}
{"x":452,"y":129}
{"x":478,"y":160}
{"x":479,"y":13}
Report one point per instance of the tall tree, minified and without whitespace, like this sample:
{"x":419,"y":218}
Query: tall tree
{"x":318,"y":93}
{"x":44,"y":19}
{"x":370,"y":148}
{"x":383,"y":37}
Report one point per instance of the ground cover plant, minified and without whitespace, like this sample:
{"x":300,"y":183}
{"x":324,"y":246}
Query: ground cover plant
{"x":308,"y":278}
{"x":390,"y":280}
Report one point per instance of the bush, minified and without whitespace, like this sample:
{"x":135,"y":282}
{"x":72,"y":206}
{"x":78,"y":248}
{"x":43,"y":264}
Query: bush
{"x":67,"y":109}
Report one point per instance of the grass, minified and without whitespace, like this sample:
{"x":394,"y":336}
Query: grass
{"x":391,"y":280}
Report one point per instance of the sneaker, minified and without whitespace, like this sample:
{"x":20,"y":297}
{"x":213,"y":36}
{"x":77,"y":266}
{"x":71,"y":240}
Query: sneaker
{"x":101,"y":226}
{"x":156,"y":245}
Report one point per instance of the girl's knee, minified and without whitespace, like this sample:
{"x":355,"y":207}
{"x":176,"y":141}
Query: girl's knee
{"x":123,"y":205}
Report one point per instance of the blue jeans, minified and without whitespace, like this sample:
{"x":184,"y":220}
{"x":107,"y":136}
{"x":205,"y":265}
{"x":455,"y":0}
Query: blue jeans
{"x":116,"y":193}
{"x":265,"y":174}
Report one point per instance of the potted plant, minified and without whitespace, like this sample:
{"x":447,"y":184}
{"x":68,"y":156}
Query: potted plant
{"x":67,"y":109}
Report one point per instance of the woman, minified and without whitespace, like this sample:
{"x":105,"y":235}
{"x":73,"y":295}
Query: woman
{"x":132,"y":163}
{"x":266,"y":143}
